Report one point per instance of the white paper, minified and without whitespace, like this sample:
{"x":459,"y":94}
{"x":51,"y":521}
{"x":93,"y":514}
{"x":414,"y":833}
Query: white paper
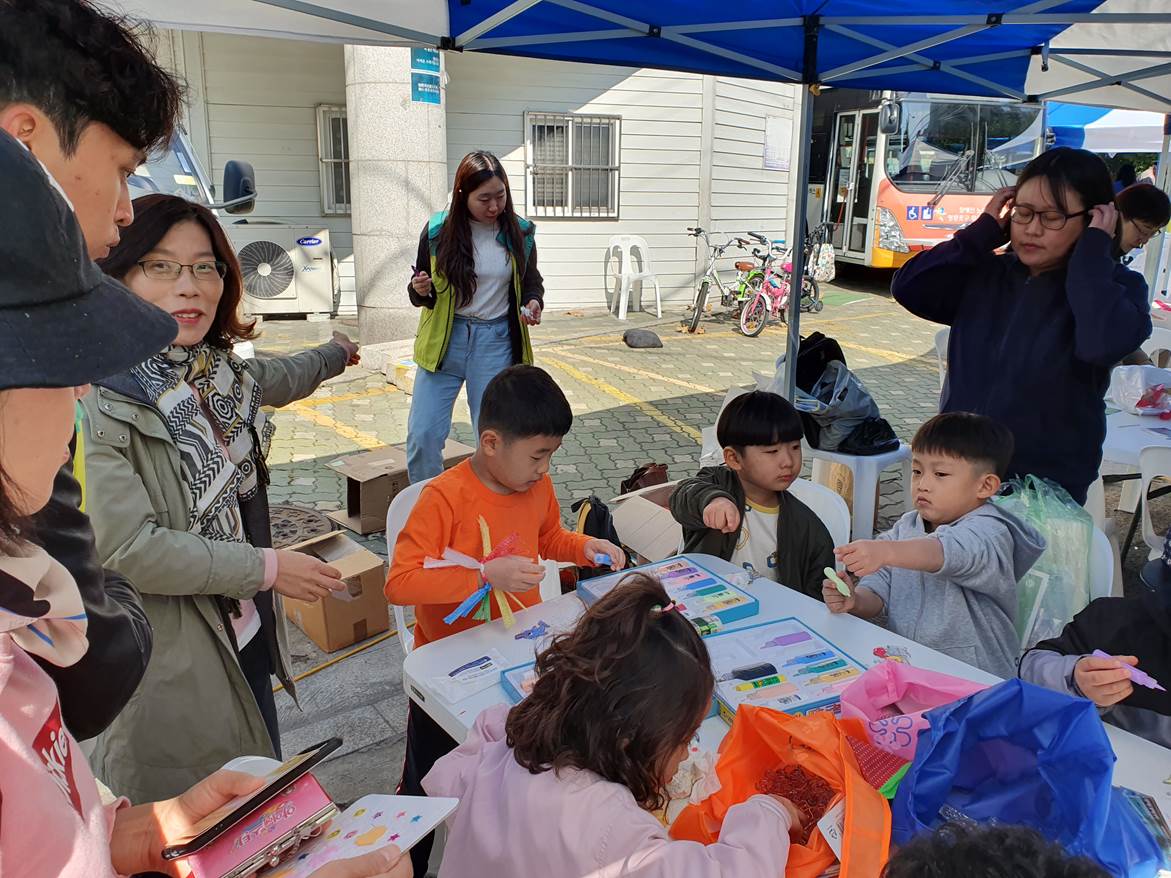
{"x":833,"y":826}
{"x":476,"y":675}
{"x":778,"y":142}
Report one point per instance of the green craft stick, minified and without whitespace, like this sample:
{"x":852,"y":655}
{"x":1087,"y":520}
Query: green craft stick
{"x":839,"y":583}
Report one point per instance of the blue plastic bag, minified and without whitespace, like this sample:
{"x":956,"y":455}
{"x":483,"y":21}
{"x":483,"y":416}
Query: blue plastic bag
{"x":1020,"y":754}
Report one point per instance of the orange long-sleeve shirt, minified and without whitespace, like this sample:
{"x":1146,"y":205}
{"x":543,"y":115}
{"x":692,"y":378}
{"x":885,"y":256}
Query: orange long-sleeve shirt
{"x":448,"y":515}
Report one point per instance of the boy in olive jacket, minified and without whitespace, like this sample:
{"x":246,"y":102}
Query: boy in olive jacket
{"x":743,"y":512}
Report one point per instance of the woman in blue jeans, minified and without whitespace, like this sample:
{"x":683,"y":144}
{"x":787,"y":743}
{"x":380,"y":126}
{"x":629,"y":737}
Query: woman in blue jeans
{"x":477,"y":283}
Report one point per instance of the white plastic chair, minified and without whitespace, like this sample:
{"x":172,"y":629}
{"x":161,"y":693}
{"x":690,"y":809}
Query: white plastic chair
{"x":628,"y":249}
{"x":396,"y":519}
{"x":941,"y":338}
{"x":1153,"y":461}
{"x":866,"y":470}
{"x":827,"y":505}
{"x":1101,"y":566}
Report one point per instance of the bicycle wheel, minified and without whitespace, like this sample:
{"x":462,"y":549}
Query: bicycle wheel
{"x":700,"y":302}
{"x":754,"y":316}
{"x":810,"y":295}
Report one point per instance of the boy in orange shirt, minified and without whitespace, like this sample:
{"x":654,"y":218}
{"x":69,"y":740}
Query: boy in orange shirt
{"x":504,"y":486}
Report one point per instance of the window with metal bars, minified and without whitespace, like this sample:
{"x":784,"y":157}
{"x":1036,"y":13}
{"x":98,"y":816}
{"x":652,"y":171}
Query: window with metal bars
{"x":333,"y":153}
{"x":572,"y":165}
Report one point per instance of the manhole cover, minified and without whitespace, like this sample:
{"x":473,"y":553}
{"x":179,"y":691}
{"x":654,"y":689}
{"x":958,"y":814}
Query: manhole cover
{"x":292,"y":524}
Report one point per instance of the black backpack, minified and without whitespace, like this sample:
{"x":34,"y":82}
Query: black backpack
{"x":594,"y":520}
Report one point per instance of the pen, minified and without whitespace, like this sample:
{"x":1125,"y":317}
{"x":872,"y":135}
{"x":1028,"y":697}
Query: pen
{"x":823,"y":668}
{"x":760,"y":684}
{"x":809,"y":659}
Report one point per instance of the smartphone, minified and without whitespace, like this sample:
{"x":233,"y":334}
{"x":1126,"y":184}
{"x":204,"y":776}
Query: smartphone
{"x":223,"y":818}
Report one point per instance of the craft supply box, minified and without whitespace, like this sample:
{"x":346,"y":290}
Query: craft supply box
{"x":358,"y":612}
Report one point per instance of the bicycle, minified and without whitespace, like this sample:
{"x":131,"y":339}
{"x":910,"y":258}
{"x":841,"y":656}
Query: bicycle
{"x":772,"y":300}
{"x":749,"y":276}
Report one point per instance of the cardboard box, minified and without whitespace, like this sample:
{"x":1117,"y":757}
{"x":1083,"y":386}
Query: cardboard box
{"x":349,"y":616}
{"x":647,"y":527}
{"x":374,"y":477}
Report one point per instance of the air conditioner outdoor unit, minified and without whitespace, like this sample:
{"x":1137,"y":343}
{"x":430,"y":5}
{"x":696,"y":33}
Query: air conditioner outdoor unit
{"x":286,"y":269}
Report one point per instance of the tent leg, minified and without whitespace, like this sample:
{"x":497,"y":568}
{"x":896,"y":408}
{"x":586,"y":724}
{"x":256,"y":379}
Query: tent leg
{"x":801,"y":177}
{"x":1155,"y":255}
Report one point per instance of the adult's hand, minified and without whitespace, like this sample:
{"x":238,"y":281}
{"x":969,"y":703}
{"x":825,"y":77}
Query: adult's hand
{"x":304,"y":577}
{"x":1000,"y":204}
{"x":421,"y":284}
{"x":1104,"y":217}
{"x":141,"y":832}
{"x":534,"y":313}
{"x":387,"y":862}
{"x":351,"y":348}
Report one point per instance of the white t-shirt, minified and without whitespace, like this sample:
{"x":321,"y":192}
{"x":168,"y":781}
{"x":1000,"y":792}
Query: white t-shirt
{"x":493,"y":275}
{"x":756,"y":549}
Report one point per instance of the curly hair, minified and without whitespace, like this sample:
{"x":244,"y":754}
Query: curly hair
{"x":960,"y":850}
{"x":78,"y":65}
{"x":154,"y":216}
{"x":618,"y":695}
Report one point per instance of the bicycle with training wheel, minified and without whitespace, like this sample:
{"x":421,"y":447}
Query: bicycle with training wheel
{"x":749,"y":276}
{"x":772,"y":299}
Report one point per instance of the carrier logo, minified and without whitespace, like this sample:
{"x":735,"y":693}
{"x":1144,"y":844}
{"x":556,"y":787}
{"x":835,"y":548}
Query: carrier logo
{"x":308,"y":242}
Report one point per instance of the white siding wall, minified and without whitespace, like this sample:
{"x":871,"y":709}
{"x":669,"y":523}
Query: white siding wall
{"x":256,"y":100}
{"x":745,"y":196}
{"x":660,"y":160}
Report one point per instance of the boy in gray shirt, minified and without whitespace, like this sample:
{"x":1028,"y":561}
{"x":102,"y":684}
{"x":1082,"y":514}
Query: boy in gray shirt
{"x":946,"y":574}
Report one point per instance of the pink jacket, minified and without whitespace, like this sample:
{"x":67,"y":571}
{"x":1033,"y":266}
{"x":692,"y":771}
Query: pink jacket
{"x":52,"y":822}
{"x":513,"y":824}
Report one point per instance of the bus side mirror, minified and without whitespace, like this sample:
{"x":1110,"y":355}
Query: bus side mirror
{"x":890,"y":117}
{"x":239,"y":188}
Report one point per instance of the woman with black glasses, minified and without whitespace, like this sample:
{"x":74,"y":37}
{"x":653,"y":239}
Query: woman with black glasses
{"x":1035,"y":331}
{"x":177,"y":486}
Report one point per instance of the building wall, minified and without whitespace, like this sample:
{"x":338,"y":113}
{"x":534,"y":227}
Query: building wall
{"x":255,"y":99}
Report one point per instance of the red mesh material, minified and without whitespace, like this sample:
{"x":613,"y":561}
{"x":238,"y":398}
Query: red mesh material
{"x":810,"y":794}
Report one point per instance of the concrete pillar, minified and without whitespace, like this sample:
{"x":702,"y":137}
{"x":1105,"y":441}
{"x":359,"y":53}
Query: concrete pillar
{"x":398,"y":168}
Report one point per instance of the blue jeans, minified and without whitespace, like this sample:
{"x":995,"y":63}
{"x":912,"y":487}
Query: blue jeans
{"x":478,"y":351}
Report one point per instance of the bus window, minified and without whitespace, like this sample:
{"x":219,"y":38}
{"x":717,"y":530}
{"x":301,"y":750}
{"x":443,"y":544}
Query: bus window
{"x":172,"y":171}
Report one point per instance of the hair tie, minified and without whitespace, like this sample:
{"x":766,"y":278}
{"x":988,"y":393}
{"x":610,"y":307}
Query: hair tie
{"x":663,"y":610}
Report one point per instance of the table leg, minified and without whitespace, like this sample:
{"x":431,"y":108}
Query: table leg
{"x":1138,"y":511}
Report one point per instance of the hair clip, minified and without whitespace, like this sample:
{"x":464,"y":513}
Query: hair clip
{"x":663,"y":610}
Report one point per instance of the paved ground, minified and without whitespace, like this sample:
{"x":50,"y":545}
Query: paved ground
{"x":630,"y":407}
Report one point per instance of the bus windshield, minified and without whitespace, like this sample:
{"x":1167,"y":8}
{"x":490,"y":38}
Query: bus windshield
{"x":172,"y":171}
{"x":961,"y":146}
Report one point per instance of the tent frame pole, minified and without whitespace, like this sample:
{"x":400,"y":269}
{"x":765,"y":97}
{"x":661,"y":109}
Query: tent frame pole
{"x":347,"y":18}
{"x":797,"y":276}
{"x":1155,"y":257}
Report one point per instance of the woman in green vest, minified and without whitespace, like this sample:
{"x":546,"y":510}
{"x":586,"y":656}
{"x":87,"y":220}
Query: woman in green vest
{"x":477,"y":284}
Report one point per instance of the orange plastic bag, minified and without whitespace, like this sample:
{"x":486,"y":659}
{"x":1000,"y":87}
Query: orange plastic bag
{"x":762,"y":739}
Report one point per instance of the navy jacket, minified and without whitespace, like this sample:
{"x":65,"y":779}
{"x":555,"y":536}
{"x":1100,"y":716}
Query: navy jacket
{"x":1034,"y":353}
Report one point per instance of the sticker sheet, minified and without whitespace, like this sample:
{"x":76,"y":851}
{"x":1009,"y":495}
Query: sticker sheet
{"x":784,"y":665}
{"x":370,"y":823}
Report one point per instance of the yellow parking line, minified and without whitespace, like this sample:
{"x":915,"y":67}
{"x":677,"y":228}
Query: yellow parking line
{"x":362,"y":440}
{"x":346,"y":397}
{"x":626,"y":399}
{"x":633,"y":371}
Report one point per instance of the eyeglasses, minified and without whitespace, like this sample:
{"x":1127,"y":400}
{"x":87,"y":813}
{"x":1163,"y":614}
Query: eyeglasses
{"x":1053,"y":220}
{"x":1145,"y":233}
{"x":165,"y":269}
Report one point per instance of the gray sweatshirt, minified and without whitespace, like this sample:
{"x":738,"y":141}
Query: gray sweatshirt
{"x":1055,"y":671}
{"x":967,"y":609}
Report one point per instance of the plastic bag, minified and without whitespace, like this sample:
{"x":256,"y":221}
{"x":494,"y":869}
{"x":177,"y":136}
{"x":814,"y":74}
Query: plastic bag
{"x":1141,"y":390}
{"x":761,"y":740}
{"x":1057,"y":587}
{"x":892,"y":699}
{"x":1020,"y":754}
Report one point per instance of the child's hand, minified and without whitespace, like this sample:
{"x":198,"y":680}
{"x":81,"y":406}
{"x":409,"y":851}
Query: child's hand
{"x":835,"y":601}
{"x":722,"y":515}
{"x":796,"y":820}
{"x":863,"y":557}
{"x":1104,"y":681}
{"x":604,"y":547}
{"x":514,"y":573}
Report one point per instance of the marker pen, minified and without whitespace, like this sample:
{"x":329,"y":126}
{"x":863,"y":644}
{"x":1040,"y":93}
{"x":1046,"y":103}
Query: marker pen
{"x":761,"y":683}
{"x":809,"y":659}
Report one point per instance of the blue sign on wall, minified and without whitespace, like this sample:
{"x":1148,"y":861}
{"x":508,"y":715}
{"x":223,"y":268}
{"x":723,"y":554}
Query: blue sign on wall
{"x":425,"y":59}
{"x":425,"y":88}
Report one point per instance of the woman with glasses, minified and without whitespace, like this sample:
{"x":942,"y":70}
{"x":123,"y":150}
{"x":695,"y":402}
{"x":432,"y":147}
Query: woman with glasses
{"x":1145,"y":211}
{"x":177,"y":489}
{"x":1035,"y":331}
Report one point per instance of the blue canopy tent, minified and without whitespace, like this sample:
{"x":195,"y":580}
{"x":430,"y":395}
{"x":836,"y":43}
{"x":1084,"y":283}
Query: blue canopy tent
{"x":1116,"y":53}
{"x":1101,"y":129}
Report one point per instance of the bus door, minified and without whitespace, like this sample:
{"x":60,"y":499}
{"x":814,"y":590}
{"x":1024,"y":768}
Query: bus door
{"x":851,"y":181}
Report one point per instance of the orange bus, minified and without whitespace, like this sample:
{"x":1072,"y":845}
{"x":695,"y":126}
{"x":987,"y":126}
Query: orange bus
{"x":898,"y":172}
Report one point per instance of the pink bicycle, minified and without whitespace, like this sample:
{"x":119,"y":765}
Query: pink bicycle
{"x":772,"y":296}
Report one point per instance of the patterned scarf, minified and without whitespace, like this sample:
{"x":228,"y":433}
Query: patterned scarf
{"x":40,"y":606}
{"x":176,"y":380}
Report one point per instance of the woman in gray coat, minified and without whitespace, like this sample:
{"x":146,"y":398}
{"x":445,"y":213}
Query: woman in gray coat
{"x":176,"y":486}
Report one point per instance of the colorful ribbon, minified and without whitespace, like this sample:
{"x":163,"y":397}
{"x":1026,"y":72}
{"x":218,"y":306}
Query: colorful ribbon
{"x":481,"y":599}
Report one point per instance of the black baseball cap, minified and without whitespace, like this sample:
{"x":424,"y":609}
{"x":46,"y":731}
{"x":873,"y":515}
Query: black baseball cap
{"x":62,"y":321}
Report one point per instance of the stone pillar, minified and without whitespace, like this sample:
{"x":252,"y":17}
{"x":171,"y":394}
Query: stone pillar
{"x":398,"y":168}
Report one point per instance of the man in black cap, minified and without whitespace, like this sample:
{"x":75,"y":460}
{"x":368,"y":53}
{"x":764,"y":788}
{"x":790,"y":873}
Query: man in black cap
{"x":80,"y":92}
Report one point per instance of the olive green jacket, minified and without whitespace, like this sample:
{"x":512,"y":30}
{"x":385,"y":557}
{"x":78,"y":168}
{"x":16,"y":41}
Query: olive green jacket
{"x":194,"y":710}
